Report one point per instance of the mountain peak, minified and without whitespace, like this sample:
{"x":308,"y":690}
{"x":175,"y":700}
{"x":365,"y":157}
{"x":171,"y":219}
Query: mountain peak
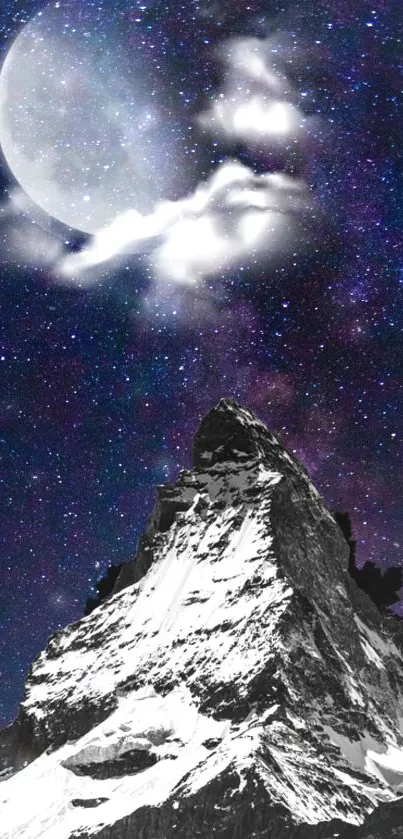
{"x":229,"y":431}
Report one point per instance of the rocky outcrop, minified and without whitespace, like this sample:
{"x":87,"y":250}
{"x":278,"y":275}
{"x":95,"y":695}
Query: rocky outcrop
{"x":236,"y":684}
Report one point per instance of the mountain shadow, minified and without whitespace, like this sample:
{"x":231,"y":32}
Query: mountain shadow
{"x":381,"y":585}
{"x":104,"y":587}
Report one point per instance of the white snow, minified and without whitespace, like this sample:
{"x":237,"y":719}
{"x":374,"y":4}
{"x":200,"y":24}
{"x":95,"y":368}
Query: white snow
{"x":387,"y":764}
{"x":142,"y":625}
{"x":46,"y":786}
{"x":385,"y":761}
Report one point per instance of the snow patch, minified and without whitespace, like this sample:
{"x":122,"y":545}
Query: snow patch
{"x":368,"y":755}
{"x":384,"y":646}
{"x":46,"y":786}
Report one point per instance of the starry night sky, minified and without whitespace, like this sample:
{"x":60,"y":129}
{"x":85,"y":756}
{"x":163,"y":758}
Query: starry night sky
{"x":102,"y":387}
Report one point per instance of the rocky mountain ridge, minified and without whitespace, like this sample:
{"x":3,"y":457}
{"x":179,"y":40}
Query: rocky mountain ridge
{"x":237,"y":684}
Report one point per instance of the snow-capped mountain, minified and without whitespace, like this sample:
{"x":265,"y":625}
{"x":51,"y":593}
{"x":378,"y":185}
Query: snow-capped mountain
{"x":237,"y":683}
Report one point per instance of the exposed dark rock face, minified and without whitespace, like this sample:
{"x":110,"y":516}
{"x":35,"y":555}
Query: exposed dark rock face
{"x":18,"y":745}
{"x":128,"y":763}
{"x":382,"y":586}
{"x":87,"y":802}
{"x":235,"y":683}
{"x":104,"y":588}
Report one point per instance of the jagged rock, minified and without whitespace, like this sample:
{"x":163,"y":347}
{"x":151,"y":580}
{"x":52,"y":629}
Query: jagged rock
{"x":237,"y":683}
{"x":87,"y":802}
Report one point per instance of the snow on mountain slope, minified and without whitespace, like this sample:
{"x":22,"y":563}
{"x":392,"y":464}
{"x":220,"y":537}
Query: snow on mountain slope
{"x":236,"y":682}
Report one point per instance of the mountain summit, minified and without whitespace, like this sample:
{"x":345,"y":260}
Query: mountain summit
{"x":228,"y":432}
{"x":236,"y":684}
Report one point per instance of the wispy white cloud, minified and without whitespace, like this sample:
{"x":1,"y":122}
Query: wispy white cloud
{"x":236,"y":216}
{"x":254,"y":121}
{"x":28,"y":237}
{"x":256,"y":104}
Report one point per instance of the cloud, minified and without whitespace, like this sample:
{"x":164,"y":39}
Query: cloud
{"x":234,"y":217}
{"x":254,"y":121}
{"x":256,"y":104}
{"x":28,"y":237}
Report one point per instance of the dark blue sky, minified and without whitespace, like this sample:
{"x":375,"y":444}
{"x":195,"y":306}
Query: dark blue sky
{"x":102,"y":388}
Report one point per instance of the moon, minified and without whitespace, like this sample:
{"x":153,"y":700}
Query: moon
{"x":89,"y":123}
